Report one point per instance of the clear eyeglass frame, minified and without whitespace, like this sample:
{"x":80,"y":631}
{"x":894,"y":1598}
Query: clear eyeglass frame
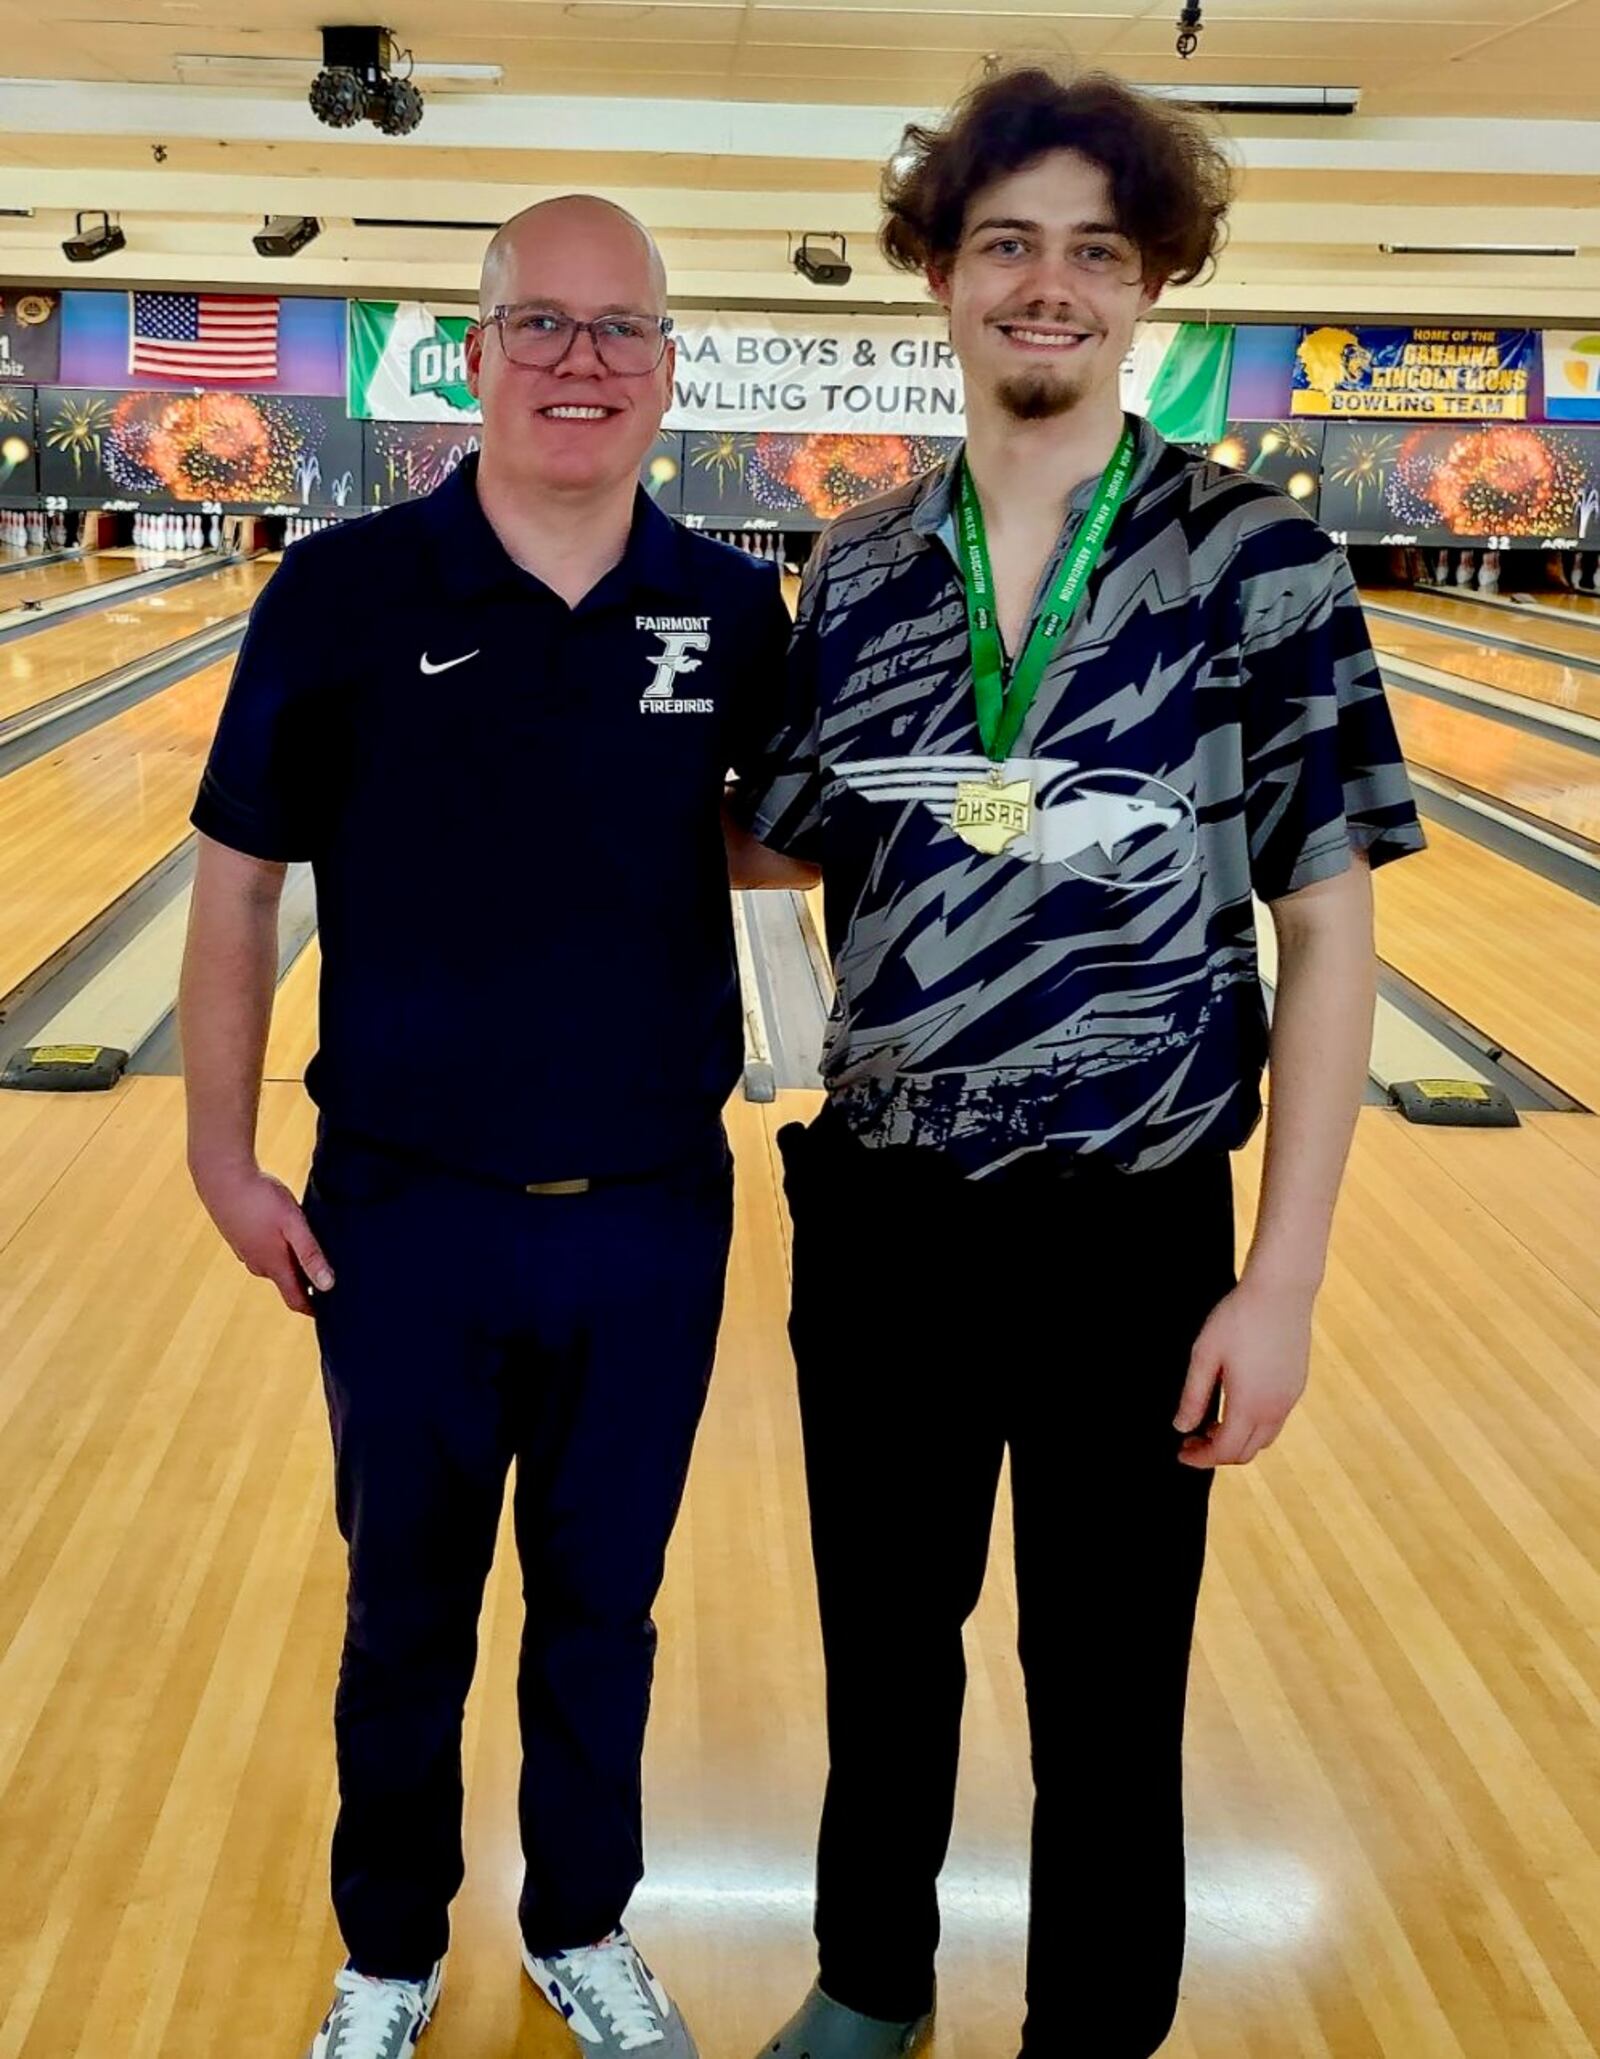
{"x":631,"y":352}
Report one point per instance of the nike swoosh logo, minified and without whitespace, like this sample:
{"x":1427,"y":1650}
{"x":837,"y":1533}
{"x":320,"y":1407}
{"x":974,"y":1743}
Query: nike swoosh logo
{"x":448,"y":665}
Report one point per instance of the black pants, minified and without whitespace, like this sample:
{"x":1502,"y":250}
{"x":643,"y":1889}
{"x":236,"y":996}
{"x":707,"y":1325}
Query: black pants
{"x":472,"y":1325}
{"x":938,"y":1322}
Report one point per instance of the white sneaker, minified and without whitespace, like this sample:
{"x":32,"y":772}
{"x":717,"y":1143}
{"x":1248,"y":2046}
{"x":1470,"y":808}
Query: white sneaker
{"x":611,"y":2001}
{"x":376,"y":2019}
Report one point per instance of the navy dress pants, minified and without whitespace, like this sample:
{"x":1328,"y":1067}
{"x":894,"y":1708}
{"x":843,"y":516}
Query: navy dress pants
{"x":939,"y":1323}
{"x":471,"y":1326}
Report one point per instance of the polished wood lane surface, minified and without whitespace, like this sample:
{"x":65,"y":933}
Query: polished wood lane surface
{"x":1508,"y":951}
{"x":1395,"y":1724}
{"x":82,"y":824}
{"x":37,"y":668}
{"x":1574,"y":639}
{"x":69,"y":576}
{"x":1544,"y":680}
{"x":1557,"y":782}
{"x":294,"y":1017}
{"x":1583,"y":607}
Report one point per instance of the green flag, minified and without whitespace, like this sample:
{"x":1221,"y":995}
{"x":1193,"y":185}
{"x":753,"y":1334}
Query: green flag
{"x":407,"y":365}
{"x":1178,"y":375}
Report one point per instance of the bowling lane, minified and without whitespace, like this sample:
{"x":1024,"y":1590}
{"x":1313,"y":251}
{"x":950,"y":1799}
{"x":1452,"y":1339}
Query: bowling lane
{"x":71,"y":576}
{"x":1529,"y":677}
{"x":1583,"y":607}
{"x":35,"y":669}
{"x":1577,"y":639}
{"x":1510,"y":952}
{"x":83,"y":824}
{"x":1554,"y":781}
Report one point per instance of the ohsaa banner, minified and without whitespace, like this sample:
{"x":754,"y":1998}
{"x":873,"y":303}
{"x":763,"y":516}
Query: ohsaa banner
{"x":1572,"y":375}
{"x":1177,"y":377}
{"x":407,"y":365}
{"x":864,"y":375}
{"x":1414,"y":375}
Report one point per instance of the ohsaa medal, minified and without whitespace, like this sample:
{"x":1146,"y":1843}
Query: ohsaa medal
{"x":989,"y":815}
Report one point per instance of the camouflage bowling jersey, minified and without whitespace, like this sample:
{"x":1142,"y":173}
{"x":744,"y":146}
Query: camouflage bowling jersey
{"x":1213,"y":724}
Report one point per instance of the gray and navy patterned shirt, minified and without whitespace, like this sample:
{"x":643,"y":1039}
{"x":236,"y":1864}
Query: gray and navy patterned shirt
{"x":1213,"y":723}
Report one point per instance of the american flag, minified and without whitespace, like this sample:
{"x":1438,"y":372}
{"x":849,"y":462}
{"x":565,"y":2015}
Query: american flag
{"x":224,"y":336}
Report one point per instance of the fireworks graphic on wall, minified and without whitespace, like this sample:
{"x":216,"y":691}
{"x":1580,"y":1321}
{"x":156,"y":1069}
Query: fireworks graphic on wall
{"x":13,"y":408}
{"x":1364,"y":465}
{"x":1507,"y":480}
{"x":727,"y":454}
{"x":225,"y":447}
{"x":80,"y":428}
{"x":415,"y":457}
{"x":826,"y":475}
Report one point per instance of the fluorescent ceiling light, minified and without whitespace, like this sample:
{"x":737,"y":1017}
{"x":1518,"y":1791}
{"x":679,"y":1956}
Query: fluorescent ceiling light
{"x":1263,"y":99}
{"x":374,"y":221}
{"x":1479,"y":249}
{"x":206,"y":69}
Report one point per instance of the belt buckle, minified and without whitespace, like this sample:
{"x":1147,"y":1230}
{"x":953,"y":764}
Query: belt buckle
{"x":557,"y":1187}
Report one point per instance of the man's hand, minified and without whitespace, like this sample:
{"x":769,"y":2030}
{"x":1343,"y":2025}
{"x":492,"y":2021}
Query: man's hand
{"x":269,"y":1234}
{"x":752,"y":864}
{"x":1257,"y":1342}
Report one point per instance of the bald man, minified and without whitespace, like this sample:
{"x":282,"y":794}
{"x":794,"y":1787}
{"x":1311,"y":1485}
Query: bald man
{"x":515,"y":1232}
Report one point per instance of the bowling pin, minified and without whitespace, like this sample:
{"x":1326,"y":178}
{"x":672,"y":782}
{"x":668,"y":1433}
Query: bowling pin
{"x":1441,"y":569}
{"x":1465,"y":566}
{"x":215,"y":533}
{"x":1489,"y":572}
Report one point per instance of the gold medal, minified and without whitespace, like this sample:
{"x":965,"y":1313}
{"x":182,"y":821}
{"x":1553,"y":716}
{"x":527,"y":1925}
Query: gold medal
{"x":989,"y":814}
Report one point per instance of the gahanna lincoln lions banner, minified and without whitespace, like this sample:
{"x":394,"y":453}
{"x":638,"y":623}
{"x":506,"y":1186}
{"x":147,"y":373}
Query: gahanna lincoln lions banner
{"x":849,"y":375}
{"x":1479,"y":375}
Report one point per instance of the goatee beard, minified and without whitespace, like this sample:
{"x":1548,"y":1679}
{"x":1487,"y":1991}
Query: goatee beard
{"x":1036,"y":396}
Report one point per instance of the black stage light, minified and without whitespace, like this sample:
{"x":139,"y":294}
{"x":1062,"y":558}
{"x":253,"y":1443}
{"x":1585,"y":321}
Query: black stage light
{"x":822,"y":266}
{"x":281,"y":235}
{"x":358,"y":82}
{"x":338,"y":98}
{"x":396,"y":107}
{"x":87,"y":244}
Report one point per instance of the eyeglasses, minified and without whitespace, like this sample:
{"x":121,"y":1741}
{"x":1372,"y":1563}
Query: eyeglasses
{"x":538,"y":337}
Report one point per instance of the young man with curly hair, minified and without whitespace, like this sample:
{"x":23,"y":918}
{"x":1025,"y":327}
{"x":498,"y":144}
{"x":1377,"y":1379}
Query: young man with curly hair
{"x":1056,"y":710}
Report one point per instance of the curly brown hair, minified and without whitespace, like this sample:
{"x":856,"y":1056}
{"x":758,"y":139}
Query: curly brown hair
{"x":1170,"y":182}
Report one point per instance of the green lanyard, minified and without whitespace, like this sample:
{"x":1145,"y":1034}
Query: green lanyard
{"x":1003,"y":706}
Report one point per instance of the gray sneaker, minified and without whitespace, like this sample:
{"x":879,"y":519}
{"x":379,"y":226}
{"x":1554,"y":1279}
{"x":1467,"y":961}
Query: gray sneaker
{"x":376,"y":2019}
{"x":825,"y":2029}
{"x":611,"y":2000}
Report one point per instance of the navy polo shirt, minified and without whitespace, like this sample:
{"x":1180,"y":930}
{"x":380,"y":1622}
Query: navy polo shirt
{"x":512,"y":809}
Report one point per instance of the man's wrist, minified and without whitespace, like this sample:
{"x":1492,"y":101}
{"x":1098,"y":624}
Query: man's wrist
{"x":214,"y":1164}
{"x":1284,"y":1272}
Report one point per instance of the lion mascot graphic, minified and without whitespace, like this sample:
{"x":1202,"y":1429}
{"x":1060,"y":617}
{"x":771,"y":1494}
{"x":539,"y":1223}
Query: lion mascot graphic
{"x":1331,"y":358}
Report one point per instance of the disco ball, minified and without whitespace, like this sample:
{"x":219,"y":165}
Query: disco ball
{"x":399,"y":107}
{"x":338,"y":98}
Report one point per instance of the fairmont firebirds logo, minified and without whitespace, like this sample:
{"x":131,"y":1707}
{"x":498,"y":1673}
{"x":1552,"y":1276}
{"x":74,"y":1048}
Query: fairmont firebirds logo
{"x":681,"y":636}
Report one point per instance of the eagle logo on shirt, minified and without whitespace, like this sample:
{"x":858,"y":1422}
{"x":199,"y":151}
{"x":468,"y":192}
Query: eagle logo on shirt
{"x":1116,"y":827}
